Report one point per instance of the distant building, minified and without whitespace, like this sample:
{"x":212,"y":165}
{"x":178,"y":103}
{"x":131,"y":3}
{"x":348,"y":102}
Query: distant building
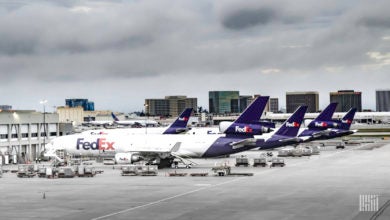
{"x":383,"y":100}
{"x":346,"y":100}
{"x":169,"y":106}
{"x":87,"y":105}
{"x":273,"y":105}
{"x":221,"y":102}
{"x":296,"y":99}
{"x":245,"y":100}
{"x":5,"y":107}
{"x":74,"y":115}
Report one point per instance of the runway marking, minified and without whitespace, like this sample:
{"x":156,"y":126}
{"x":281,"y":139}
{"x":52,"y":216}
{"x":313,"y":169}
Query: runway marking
{"x":210,"y":186}
{"x":168,"y":198}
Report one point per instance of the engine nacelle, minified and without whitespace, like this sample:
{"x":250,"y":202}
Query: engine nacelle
{"x":224,"y":125}
{"x":257,"y":128}
{"x":127,"y":158}
{"x":247,"y":129}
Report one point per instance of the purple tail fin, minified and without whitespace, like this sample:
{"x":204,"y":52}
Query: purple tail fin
{"x":180,"y":124}
{"x":291,"y":126}
{"x":346,"y":121}
{"x":114,"y":116}
{"x":254,"y":111}
{"x":324,"y":118}
{"x":248,"y":122}
{"x":327,"y":113}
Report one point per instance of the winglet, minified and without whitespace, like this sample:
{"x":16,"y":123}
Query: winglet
{"x":176,"y":147}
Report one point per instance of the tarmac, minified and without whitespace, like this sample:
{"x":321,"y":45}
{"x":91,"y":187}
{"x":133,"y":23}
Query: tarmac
{"x":325,"y":186}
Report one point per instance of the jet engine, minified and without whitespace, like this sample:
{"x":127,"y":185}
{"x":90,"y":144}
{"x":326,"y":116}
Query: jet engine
{"x":127,"y":158}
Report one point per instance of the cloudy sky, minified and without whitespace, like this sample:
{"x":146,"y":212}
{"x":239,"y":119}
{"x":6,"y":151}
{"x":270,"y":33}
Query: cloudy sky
{"x":117,"y":53}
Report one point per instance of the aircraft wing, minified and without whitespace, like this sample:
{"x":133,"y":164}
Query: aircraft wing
{"x":243,"y":143}
{"x":297,"y":139}
{"x":143,"y":150}
{"x":161,"y":152}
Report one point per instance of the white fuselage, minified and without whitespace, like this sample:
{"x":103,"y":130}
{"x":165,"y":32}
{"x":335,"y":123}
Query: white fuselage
{"x":149,"y":130}
{"x":86,"y":144}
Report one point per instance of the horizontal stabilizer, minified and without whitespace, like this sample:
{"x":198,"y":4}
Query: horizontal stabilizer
{"x":243,"y":143}
{"x":322,"y":133}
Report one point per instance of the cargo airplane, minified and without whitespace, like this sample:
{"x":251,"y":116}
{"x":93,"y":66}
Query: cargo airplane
{"x":162,"y":149}
{"x":324,"y":127}
{"x":177,"y":127}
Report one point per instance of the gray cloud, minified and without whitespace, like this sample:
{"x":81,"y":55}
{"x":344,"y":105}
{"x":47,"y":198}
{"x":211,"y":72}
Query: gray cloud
{"x":249,"y":17}
{"x":64,"y":43}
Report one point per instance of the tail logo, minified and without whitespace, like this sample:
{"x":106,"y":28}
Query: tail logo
{"x":245,"y":129}
{"x":320,"y":124}
{"x":183,"y":119}
{"x":347,"y":121}
{"x":292,"y":124}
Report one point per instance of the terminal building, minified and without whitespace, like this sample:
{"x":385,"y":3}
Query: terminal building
{"x":169,"y":106}
{"x":296,"y":99}
{"x":383,"y":100}
{"x":23,"y":134}
{"x":346,"y":100}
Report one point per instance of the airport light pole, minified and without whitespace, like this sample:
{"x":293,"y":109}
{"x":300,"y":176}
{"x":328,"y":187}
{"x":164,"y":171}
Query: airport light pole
{"x":146,"y":114}
{"x":43,"y":102}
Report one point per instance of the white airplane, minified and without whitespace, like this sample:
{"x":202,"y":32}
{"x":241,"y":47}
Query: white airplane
{"x":98,"y":123}
{"x":140,"y":122}
{"x":177,"y":127}
{"x":162,"y":149}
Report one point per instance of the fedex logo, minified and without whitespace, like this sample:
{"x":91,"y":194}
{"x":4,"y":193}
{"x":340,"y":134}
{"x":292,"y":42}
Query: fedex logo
{"x":320,"y":124}
{"x":292,"y":124}
{"x":245,"y":129}
{"x":98,"y":133}
{"x":99,"y":144}
{"x":346,"y":121}
{"x":183,"y":119}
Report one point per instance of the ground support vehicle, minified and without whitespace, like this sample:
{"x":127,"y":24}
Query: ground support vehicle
{"x":277,"y":162}
{"x":26,"y":170}
{"x":242,"y":161}
{"x":262,"y":162}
